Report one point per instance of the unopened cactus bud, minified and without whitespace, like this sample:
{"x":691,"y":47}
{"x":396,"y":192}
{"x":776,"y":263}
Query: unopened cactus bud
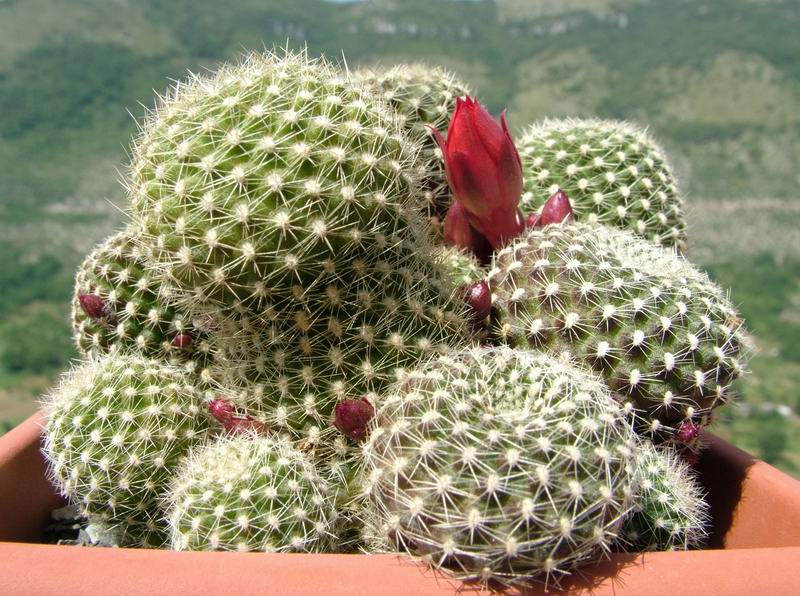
{"x":478,"y":297}
{"x":93,"y":306}
{"x":352,"y":417}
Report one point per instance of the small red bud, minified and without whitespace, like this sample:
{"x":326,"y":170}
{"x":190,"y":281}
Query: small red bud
{"x":687,"y":432}
{"x":479,"y":298}
{"x":182,"y":340}
{"x":352,"y":416}
{"x":92,"y":305}
{"x":556,"y":210}
{"x":239,"y":424}
{"x":221,"y":410}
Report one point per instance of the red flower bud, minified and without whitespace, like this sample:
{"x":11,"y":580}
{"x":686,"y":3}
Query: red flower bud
{"x":484,"y":171}
{"x":459,"y":232}
{"x":479,"y":298}
{"x":221,"y":410}
{"x":182,"y":340}
{"x":92,"y":305}
{"x":352,"y":416}
{"x":556,"y":209}
{"x":687,"y":432}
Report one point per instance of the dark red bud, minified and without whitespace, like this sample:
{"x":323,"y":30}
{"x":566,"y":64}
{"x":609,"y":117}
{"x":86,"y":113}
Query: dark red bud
{"x":182,"y":340}
{"x":92,"y":305}
{"x":556,"y":210}
{"x":352,"y":417}
{"x":240,"y":424}
{"x":479,"y":298}
{"x":221,"y":410}
{"x":687,"y":432}
{"x":532,"y":220}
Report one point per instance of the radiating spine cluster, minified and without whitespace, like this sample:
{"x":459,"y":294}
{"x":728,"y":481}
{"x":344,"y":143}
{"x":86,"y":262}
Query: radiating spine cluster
{"x":670,"y":511}
{"x":496,"y":464}
{"x":613,"y":172}
{"x":250,"y":493}
{"x":664,"y":337}
{"x":118,"y":304}
{"x":116,"y":427}
{"x":424,"y":96}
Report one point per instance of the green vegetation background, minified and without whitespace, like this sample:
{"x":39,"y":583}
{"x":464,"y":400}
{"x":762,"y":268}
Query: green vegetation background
{"x":717,"y":82}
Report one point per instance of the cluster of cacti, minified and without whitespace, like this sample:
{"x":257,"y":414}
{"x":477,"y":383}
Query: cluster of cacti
{"x":118,"y":305}
{"x":500,"y":464}
{"x":281,"y":244}
{"x":670,"y":512}
{"x":117,"y":426}
{"x":664,"y":338}
{"x":424,"y":97}
{"x":613,"y":172}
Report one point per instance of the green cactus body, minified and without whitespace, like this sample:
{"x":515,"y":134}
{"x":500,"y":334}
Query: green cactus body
{"x":670,"y":511}
{"x":270,"y":179}
{"x":135,"y":315}
{"x":424,"y":97}
{"x":459,"y":266}
{"x":662,"y":335}
{"x":497,"y":464}
{"x":116,"y":426}
{"x":613,"y":173}
{"x":250,"y":493}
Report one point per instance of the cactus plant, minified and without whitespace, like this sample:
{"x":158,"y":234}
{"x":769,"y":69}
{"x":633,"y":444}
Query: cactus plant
{"x":497,"y":464}
{"x":272,"y":178}
{"x":613,"y":172}
{"x":250,"y":493}
{"x":424,"y":96}
{"x":664,"y":337}
{"x":670,"y":512}
{"x":116,"y":426}
{"x":118,"y":305}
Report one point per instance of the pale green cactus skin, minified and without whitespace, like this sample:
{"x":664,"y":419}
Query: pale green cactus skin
{"x":250,"y":493}
{"x":670,"y":511}
{"x":500,"y":465}
{"x":613,"y":172}
{"x":116,"y":427}
{"x":138,"y":317}
{"x":664,"y":337}
{"x":271,"y":179}
{"x":459,"y":266}
{"x":424,"y":96}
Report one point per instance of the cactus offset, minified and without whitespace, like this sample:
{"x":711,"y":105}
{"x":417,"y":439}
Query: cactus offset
{"x":663,"y":336}
{"x":250,"y":493}
{"x":117,"y":305}
{"x":116,"y":426}
{"x":423,"y":96}
{"x":496,"y":464}
{"x":613,"y":173}
{"x":670,"y":511}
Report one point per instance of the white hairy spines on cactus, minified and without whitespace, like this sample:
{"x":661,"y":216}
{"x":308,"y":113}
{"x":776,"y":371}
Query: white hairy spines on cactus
{"x":664,"y":337}
{"x":613,"y":173}
{"x":116,"y":426}
{"x":250,"y":493}
{"x":135,"y":315}
{"x":497,"y":464}
{"x":270,"y":177}
{"x":424,"y":97}
{"x":670,"y":511}
{"x":458,"y":265}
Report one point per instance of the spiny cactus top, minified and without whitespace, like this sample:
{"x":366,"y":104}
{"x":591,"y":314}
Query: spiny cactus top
{"x":250,"y":493}
{"x":424,"y":96}
{"x":271,"y":178}
{"x":670,"y":511}
{"x":117,"y":305}
{"x":613,"y":172}
{"x":664,"y":337}
{"x":116,"y":426}
{"x":497,"y":464}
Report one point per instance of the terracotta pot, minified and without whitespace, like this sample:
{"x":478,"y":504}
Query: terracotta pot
{"x":755,"y":547}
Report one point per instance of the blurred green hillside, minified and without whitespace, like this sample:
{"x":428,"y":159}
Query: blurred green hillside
{"x":717,"y":82}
